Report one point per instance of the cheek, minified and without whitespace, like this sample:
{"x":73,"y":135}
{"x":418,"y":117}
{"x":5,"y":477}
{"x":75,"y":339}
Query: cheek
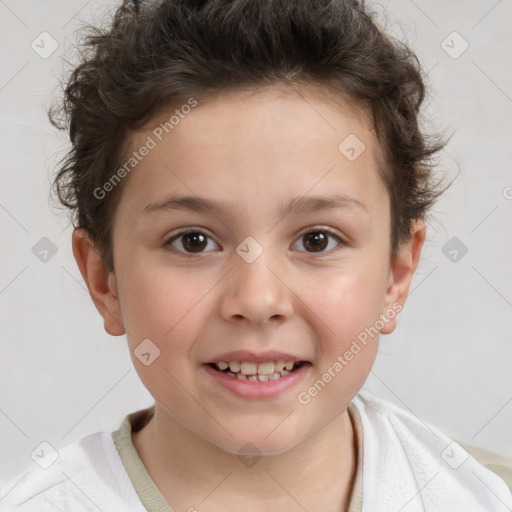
{"x":348,"y":340}
{"x":169,"y":309}
{"x":347,"y":310}
{"x":348,"y":301}
{"x":155,"y":300}
{"x":163,"y":309}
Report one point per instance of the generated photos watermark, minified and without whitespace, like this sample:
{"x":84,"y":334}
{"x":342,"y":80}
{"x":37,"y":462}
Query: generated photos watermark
{"x":357,"y":345}
{"x":150,"y":143}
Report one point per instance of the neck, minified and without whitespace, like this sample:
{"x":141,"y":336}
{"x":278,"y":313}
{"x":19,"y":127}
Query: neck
{"x":189,"y":469}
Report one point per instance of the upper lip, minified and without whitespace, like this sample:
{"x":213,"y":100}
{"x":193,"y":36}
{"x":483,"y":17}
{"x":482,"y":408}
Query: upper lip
{"x":256,"y":357}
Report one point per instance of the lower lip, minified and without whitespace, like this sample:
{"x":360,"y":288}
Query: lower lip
{"x":258,"y":389}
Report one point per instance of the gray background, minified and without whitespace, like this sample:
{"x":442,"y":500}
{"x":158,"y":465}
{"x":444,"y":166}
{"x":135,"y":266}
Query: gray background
{"x":62,"y":377}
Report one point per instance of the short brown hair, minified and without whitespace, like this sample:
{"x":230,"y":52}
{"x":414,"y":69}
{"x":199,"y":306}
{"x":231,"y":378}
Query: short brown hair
{"x":161,"y":53}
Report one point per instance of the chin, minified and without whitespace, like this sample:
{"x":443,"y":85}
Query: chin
{"x":259,"y":440}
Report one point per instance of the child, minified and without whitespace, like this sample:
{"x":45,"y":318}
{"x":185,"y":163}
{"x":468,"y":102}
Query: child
{"x":249,"y":184}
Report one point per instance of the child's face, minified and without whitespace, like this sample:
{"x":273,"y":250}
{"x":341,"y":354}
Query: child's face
{"x":256,"y":153}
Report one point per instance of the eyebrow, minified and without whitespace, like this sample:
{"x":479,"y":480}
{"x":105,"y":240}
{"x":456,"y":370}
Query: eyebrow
{"x":296,"y":206}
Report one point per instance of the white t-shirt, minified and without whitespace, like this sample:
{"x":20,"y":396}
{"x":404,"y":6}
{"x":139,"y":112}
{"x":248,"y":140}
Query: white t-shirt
{"x":403,"y":464}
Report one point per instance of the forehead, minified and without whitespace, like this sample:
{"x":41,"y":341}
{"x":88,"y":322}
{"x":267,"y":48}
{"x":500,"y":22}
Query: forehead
{"x":306,"y":109}
{"x":240,"y":144}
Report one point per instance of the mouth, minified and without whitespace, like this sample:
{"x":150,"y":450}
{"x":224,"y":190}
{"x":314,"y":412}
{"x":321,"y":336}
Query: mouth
{"x":253,"y":371}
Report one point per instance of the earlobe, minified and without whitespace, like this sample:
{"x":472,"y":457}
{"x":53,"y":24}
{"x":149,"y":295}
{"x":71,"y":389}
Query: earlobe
{"x":101,"y":283}
{"x":401,"y":273}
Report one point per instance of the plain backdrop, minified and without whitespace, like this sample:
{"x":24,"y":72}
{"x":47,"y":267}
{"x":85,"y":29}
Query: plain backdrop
{"x":449,"y":360}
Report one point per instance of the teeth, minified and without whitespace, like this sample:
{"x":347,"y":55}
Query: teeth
{"x":280,"y":365}
{"x":263,"y":372}
{"x":266,"y":368}
{"x":234,"y":366}
{"x":248,"y":368}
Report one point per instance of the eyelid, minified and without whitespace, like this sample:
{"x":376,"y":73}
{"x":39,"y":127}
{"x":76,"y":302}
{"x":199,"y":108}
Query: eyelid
{"x":316,"y":227}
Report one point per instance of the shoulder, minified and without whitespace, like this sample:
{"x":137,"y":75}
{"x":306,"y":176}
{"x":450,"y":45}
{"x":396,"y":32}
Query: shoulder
{"x":495,"y":462}
{"x":408,"y":460}
{"x":82,"y":476}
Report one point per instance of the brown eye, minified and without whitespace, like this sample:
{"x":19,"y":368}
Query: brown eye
{"x":189,"y":242}
{"x":318,"y":240}
{"x":194,"y":242}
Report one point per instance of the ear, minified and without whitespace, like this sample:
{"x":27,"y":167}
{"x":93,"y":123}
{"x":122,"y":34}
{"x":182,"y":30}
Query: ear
{"x":400,"y":274}
{"x":100,"y":282}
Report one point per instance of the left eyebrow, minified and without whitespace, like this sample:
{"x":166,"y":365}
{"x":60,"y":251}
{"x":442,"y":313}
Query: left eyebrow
{"x":296,"y":206}
{"x":310,"y":204}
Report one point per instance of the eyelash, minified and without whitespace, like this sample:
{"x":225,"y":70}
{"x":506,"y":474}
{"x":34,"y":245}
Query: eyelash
{"x":195,"y":230}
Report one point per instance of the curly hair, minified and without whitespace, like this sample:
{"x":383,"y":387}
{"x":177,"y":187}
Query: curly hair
{"x":157,"y":54}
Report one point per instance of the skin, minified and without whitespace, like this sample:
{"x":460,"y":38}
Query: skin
{"x":257,"y":150}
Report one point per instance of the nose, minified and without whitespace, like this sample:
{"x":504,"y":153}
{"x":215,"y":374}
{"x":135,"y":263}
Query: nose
{"x":256,"y":293}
